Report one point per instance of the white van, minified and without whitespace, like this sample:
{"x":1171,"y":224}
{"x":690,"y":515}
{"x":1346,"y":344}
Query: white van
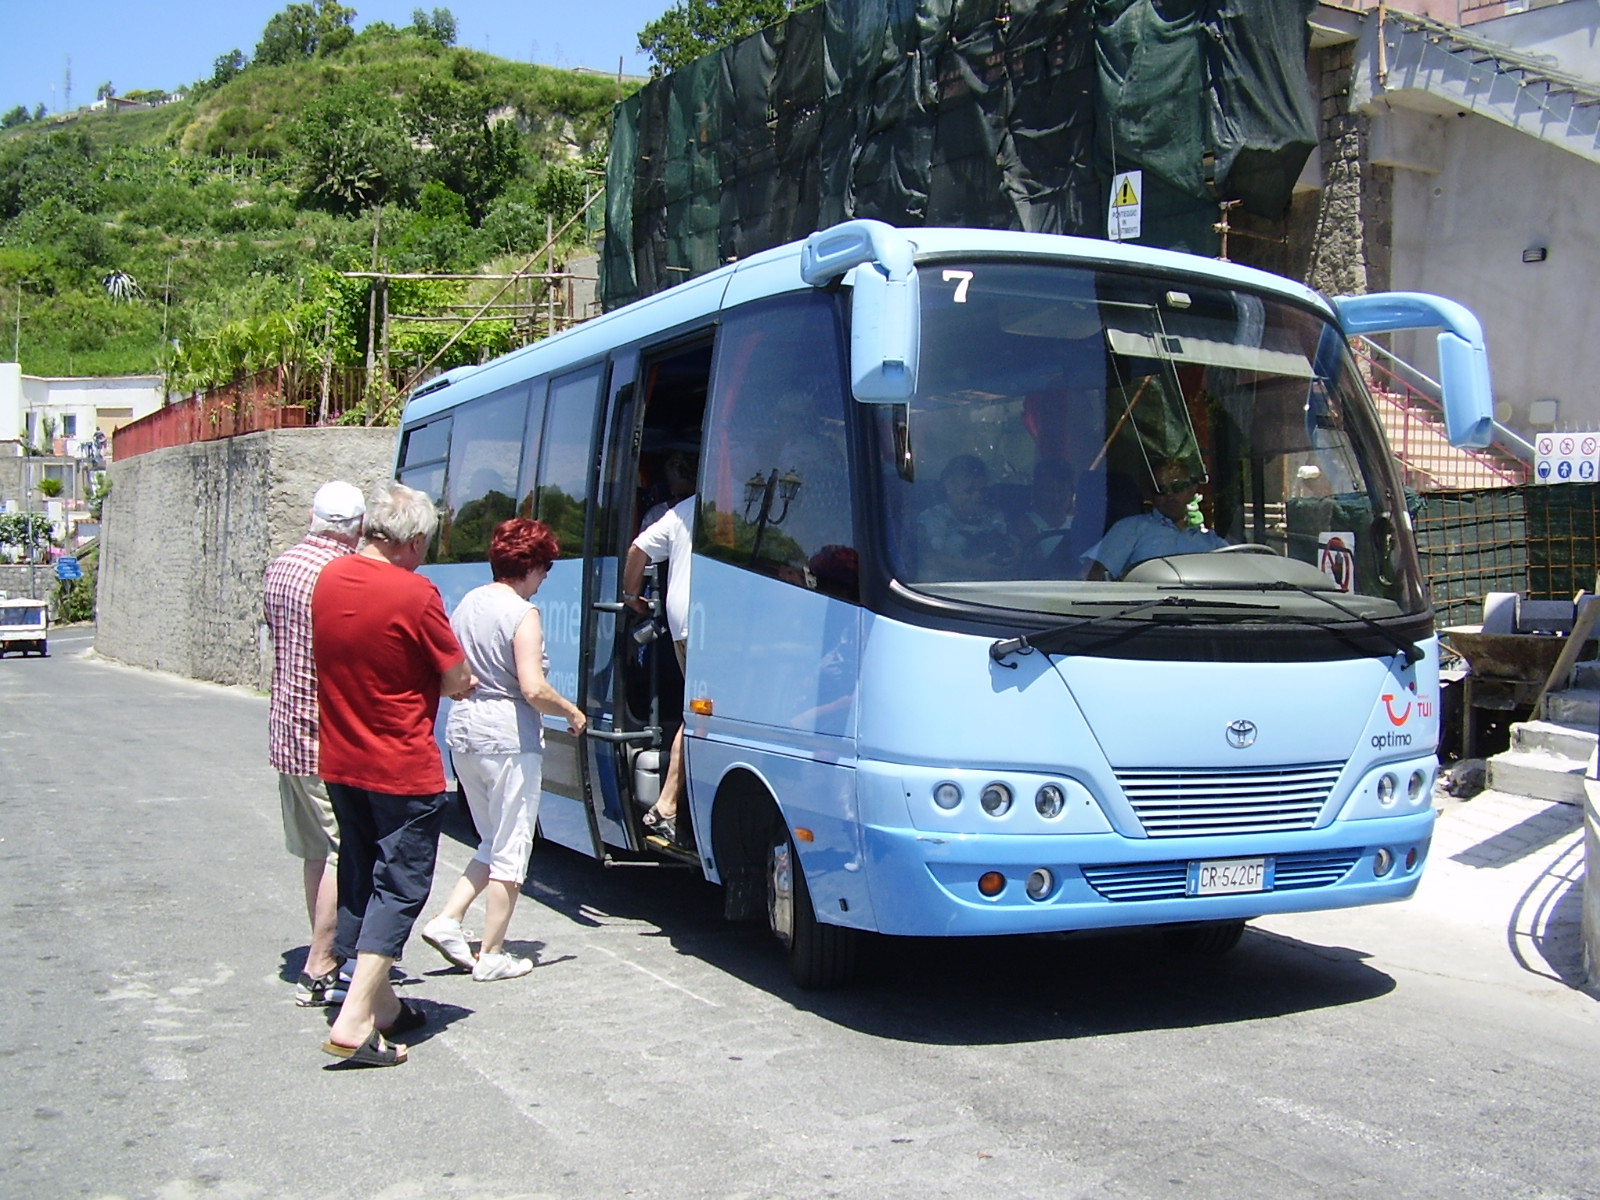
{"x":24,"y":626}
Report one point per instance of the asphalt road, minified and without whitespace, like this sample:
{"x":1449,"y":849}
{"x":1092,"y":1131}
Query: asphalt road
{"x":151,"y":1048}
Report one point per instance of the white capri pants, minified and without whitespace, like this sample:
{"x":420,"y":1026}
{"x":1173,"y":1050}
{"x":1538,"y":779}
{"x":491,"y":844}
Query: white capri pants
{"x":502,"y":792}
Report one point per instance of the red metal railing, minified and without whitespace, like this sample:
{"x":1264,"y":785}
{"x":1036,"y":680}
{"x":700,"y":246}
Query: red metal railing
{"x":246,"y":406}
{"x":1414,"y":423}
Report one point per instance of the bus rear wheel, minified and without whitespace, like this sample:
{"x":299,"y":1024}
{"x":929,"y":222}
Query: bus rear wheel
{"x":820,"y":955}
{"x":1206,"y":937}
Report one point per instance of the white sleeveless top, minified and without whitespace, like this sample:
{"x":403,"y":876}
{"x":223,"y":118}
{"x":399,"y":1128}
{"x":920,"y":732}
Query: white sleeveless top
{"x":495,"y":719}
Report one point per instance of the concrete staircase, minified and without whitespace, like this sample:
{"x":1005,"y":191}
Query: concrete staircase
{"x":1441,"y":62}
{"x":1550,"y":754}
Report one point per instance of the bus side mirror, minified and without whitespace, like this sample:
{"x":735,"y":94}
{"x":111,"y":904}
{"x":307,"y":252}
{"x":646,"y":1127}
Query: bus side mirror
{"x":885,"y":305}
{"x":1464,"y":386}
{"x":885,"y":336}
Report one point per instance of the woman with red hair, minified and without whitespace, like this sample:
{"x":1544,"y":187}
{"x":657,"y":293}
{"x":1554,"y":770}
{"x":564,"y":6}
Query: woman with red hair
{"x":496,"y":741}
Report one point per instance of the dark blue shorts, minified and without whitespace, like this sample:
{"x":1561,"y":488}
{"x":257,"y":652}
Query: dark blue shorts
{"x":387,"y":848}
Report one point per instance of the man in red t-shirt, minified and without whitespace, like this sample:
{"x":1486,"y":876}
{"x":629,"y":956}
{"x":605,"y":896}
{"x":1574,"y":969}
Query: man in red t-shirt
{"x":384,"y":651}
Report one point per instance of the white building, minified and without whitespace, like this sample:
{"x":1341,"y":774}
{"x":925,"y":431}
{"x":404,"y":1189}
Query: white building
{"x":1490,"y":132}
{"x":72,"y":409}
{"x":68,"y":422}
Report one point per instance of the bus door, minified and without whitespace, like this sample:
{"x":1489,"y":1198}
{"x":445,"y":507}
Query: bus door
{"x":648,"y":460}
{"x":612,"y":741}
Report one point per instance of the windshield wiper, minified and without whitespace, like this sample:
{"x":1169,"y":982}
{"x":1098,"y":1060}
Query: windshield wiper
{"x":1408,"y":649}
{"x":1027,"y":643}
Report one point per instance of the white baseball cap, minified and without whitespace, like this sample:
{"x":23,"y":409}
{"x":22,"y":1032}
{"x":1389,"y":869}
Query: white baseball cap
{"x":338,"y":501}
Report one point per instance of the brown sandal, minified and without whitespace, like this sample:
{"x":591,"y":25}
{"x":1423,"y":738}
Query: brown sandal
{"x":374,"y":1052}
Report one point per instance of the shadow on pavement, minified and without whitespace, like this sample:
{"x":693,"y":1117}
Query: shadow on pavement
{"x":961,"y":991}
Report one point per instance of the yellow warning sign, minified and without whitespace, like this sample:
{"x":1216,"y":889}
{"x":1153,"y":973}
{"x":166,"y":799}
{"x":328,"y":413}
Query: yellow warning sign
{"x":1123,"y":220}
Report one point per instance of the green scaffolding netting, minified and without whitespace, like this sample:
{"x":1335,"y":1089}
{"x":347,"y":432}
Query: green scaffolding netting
{"x":1007,"y":114}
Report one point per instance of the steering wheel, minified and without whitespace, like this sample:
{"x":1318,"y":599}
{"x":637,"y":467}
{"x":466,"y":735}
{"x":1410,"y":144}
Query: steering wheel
{"x":1246,"y":548}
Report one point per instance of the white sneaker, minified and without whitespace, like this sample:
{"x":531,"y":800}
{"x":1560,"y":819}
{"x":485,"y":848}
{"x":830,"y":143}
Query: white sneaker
{"x":447,"y":937}
{"x":500,"y":966}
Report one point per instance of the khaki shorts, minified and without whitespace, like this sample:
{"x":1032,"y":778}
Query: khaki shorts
{"x":310,"y":830}
{"x":683,"y":654}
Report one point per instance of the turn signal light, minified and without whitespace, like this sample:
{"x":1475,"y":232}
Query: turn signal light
{"x":991,"y":883}
{"x":802,"y":834}
{"x":700,"y":706}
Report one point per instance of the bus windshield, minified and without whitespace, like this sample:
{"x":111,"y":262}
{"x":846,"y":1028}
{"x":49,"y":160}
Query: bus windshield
{"x":1081,"y":437}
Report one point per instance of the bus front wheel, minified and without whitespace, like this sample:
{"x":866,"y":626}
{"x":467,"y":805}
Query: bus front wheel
{"x":1206,"y":937}
{"x":820,"y":956}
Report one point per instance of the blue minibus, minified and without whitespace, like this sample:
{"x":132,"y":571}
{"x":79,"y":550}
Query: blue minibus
{"x":1039,"y":584}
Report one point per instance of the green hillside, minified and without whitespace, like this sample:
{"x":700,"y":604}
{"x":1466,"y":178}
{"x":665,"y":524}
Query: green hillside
{"x":203,"y":236}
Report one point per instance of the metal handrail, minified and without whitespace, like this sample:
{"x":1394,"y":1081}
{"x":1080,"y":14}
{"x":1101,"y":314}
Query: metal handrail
{"x":1418,"y":385}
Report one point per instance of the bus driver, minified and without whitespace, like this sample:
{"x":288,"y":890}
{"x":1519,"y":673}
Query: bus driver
{"x":1164,"y":530}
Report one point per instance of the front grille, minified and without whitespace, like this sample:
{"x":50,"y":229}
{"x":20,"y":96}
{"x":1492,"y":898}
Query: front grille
{"x":1167,"y":880}
{"x":1178,"y":803}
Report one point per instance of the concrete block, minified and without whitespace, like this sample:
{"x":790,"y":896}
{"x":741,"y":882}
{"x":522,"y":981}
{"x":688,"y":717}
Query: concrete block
{"x":1540,"y":775}
{"x":1578,"y":708}
{"x":1551,"y":737}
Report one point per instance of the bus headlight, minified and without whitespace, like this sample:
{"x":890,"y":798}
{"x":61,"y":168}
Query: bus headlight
{"x":947,"y":795}
{"x":1040,"y":883}
{"x":996,"y":799}
{"x":1050,"y":800}
{"x":1386,"y":787}
{"x":1382,"y":862}
{"x":1416,"y":786}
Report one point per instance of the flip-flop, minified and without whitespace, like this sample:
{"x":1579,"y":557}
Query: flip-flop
{"x":374,"y":1052}
{"x":411,"y":1018}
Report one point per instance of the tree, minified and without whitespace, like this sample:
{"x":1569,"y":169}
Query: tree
{"x":105,"y":91}
{"x":691,"y":28}
{"x":14,"y":117}
{"x":441,"y":26}
{"x":304,"y":31}
{"x":62,"y":165}
{"x":471,"y":154}
{"x":227,"y":67}
{"x":50,"y":488}
{"x":352,"y":151}
{"x":28,"y":532}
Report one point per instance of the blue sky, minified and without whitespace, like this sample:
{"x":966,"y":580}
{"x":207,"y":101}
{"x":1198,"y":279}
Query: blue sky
{"x":136,"y":44}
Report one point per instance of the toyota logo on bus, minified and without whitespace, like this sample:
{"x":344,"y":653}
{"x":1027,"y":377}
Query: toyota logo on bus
{"x":1241,"y":734}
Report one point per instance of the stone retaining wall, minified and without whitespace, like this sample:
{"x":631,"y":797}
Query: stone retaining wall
{"x":187,"y":532}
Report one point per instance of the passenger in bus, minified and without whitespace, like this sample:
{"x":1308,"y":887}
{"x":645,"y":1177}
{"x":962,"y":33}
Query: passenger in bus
{"x":677,"y":472}
{"x":496,"y":742}
{"x":1166,"y":529}
{"x":964,"y":536}
{"x":1042,"y":528}
{"x":670,"y":539}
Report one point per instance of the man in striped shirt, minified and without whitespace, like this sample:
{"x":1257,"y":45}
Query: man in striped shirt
{"x":310,"y":831}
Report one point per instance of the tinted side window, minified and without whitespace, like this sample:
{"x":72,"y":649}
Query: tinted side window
{"x":566,"y":455}
{"x":481,"y":485}
{"x":530,"y":447}
{"x":422,"y":457}
{"x":776,"y":495}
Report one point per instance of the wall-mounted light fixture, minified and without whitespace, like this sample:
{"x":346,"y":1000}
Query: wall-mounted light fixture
{"x":1535,"y":254}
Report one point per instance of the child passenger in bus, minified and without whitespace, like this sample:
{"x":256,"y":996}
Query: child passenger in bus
{"x":964,"y":536}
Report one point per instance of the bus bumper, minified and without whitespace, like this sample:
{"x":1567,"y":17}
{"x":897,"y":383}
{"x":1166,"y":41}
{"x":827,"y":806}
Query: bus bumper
{"x":1106,"y":881}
